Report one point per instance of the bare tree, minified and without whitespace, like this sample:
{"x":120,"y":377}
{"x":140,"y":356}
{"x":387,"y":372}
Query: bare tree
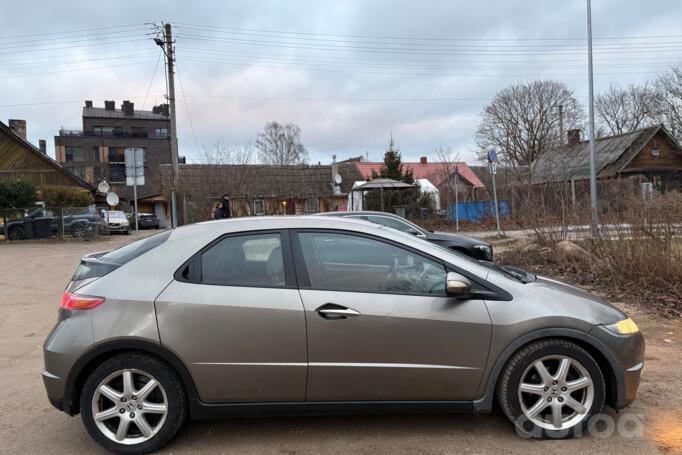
{"x":523,"y":121}
{"x":669,"y":101}
{"x":449,"y":178}
{"x":281,"y":144}
{"x":626,"y":109}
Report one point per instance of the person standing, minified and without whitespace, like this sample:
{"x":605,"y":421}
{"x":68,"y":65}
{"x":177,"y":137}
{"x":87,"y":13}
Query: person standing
{"x":218,"y":212}
{"x":227,"y":206}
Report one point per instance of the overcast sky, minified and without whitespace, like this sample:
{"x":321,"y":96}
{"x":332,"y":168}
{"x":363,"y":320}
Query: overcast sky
{"x":347,"y":72}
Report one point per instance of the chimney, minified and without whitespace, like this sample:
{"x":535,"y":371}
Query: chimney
{"x":88,"y":103}
{"x":42,"y":145}
{"x":573,"y":136}
{"x":109,"y":105}
{"x":423,"y":160}
{"x":18,"y":127}
{"x":128,"y":108}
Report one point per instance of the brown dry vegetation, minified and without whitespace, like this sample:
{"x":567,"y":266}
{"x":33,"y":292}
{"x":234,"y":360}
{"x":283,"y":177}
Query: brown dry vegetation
{"x":638,"y":253}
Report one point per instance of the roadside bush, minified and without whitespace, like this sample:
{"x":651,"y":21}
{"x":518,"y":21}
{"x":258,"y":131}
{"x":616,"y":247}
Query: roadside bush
{"x":65,"y":196}
{"x":636,"y":254}
{"x":17,"y":194}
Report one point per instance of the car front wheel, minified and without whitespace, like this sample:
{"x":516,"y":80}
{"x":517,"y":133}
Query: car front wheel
{"x":551,"y":388}
{"x":133,"y":404}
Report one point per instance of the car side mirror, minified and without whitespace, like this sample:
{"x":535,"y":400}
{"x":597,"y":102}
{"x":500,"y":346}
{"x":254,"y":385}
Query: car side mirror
{"x":457,"y":285}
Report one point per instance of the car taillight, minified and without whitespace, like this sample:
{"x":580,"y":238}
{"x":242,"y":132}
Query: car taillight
{"x":72,"y":301}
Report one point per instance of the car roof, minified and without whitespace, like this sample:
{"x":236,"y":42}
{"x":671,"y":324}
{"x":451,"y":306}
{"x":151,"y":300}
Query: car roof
{"x":360,"y":213}
{"x":209,"y":230}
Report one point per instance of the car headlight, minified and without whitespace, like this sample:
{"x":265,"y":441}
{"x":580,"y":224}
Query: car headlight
{"x":624,"y":327}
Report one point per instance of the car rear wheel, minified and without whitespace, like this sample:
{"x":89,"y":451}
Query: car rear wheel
{"x":551,"y":388}
{"x":133,"y":404}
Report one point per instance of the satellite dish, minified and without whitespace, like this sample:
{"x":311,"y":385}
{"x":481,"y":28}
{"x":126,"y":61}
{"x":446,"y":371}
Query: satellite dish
{"x":337,"y":179}
{"x":112,"y":199}
{"x":103,"y":187}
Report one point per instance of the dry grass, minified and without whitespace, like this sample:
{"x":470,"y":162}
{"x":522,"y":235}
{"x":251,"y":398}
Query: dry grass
{"x":637,"y":253}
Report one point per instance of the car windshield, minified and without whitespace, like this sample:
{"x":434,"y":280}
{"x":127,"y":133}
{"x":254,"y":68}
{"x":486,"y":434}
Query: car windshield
{"x":115,"y":215}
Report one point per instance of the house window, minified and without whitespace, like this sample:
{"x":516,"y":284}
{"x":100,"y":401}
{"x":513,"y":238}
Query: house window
{"x":117,"y":173}
{"x":161,"y":132}
{"x":95,"y":154}
{"x":312,"y":205}
{"x":116,"y":155}
{"x":138,"y":131}
{"x":74,"y":154}
{"x":103,"y":130}
{"x":259,"y":207}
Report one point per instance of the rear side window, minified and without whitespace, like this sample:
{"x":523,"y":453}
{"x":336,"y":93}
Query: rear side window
{"x":245,"y":260}
{"x":97,"y":266}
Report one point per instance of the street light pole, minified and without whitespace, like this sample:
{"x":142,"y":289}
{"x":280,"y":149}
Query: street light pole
{"x":594,"y":224}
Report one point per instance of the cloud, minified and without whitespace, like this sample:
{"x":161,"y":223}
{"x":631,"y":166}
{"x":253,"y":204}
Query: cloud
{"x":347,"y":93}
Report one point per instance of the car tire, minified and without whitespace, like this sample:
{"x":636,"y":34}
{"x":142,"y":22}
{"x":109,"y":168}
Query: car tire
{"x":550,"y":403}
{"x":78,"y":231}
{"x":127,"y":232}
{"x":16,"y":233}
{"x":161,"y":412}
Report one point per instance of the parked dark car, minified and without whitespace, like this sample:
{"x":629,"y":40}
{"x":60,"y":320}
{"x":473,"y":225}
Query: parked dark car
{"x":79,"y":222}
{"x":144,"y":220}
{"x":477,"y":249}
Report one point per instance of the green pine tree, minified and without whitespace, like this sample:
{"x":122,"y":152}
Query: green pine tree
{"x":393,"y":165}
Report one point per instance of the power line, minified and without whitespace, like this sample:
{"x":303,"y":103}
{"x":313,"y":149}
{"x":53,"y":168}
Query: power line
{"x":184,"y":99}
{"x":572,"y":46}
{"x":392,"y":63}
{"x":152,"y":80}
{"x":75,"y":70}
{"x":414,"y":51}
{"x":109,"y":43}
{"x":344,"y":70}
{"x":204,"y":26}
{"x":109,"y":27}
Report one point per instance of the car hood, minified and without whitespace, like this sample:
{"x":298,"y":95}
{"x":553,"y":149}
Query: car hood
{"x":607,"y":312}
{"x":460,"y":239}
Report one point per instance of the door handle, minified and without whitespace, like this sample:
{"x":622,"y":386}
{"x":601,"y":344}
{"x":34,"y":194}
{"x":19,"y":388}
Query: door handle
{"x":331,"y":311}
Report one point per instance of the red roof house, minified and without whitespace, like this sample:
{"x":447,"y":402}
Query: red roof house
{"x":434,"y":172}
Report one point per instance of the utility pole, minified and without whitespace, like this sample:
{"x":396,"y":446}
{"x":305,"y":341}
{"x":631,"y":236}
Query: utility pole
{"x":168,"y":49}
{"x":561,"y":125}
{"x":594,"y":224}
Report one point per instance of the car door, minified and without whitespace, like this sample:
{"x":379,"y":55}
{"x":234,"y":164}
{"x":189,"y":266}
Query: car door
{"x":380,"y":325}
{"x":234,"y":316}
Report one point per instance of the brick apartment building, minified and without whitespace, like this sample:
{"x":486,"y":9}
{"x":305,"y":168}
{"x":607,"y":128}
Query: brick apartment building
{"x":95,"y":152}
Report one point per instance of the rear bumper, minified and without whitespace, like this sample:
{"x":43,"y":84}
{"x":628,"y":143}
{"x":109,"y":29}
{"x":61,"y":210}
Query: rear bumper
{"x":54,"y":388}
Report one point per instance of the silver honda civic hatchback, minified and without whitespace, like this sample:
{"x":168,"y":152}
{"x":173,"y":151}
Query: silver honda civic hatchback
{"x":318,"y":315}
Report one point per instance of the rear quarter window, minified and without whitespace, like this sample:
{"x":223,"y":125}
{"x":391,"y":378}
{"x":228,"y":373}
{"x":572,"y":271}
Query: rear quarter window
{"x":98,"y":266}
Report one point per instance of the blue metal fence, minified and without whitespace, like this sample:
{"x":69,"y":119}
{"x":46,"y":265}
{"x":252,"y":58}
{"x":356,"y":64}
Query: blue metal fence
{"x":478,"y":210}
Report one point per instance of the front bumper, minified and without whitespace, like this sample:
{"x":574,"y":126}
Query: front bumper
{"x":629,"y":353}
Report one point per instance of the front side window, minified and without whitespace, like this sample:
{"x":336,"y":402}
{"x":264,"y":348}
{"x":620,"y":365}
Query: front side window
{"x":74,"y":154}
{"x":346,"y":262}
{"x":246,"y":260}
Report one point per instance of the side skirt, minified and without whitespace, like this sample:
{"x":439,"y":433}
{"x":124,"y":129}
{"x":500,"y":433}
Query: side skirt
{"x":201,"y":410}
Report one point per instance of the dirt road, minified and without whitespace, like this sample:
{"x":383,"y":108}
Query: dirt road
{"x":33,"y":275}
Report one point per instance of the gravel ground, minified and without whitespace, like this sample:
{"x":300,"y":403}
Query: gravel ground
{"x":33,"y":274}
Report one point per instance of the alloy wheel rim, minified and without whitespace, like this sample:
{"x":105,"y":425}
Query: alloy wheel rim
{"x":556,"y":392}
{"x":129,"y":406}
